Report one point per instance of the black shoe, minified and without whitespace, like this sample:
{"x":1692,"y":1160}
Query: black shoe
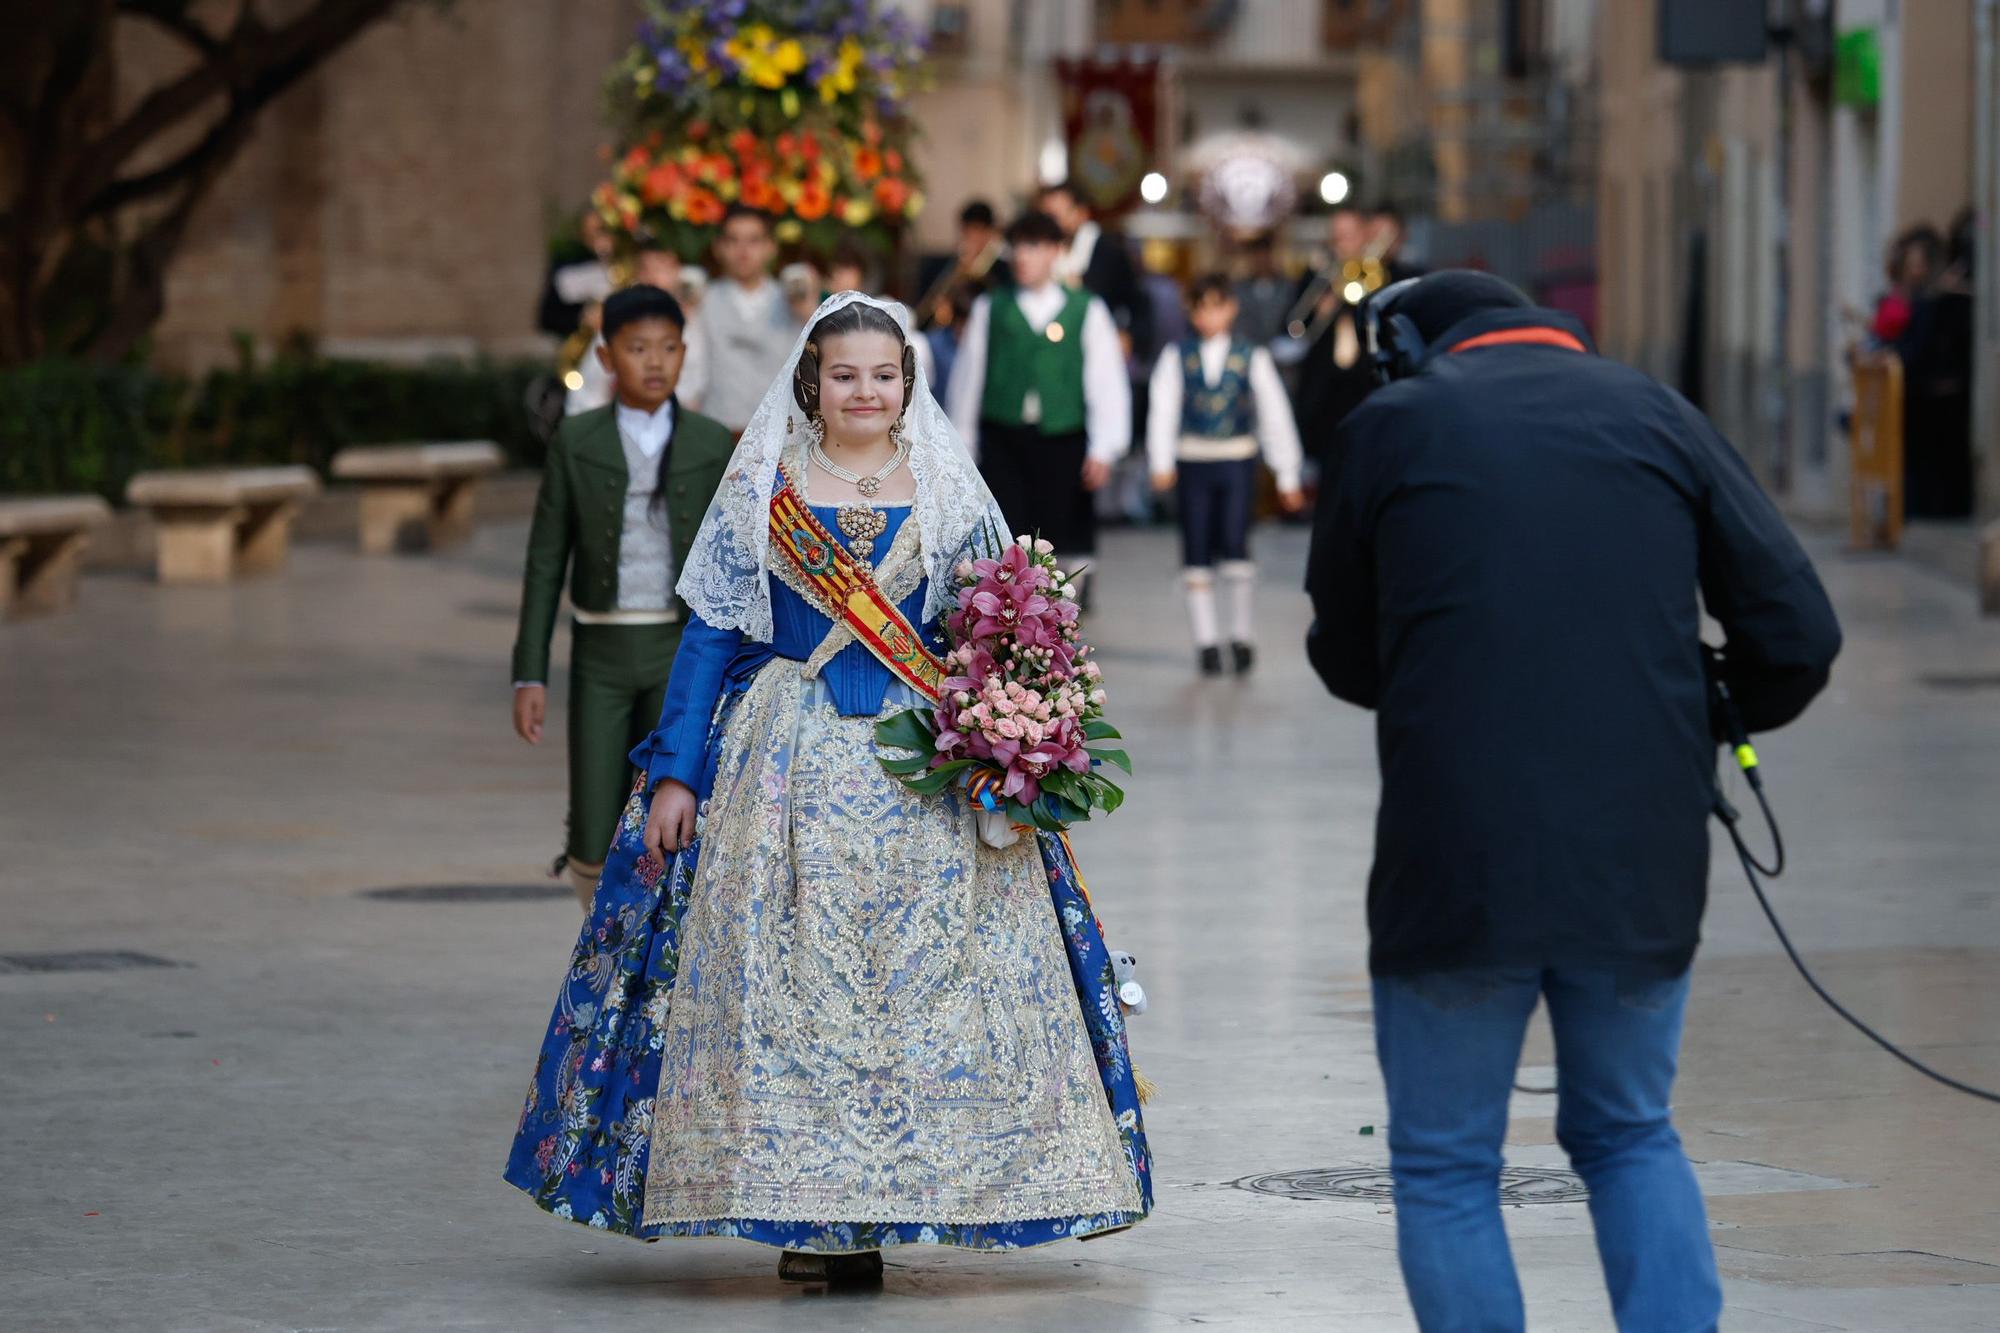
{"x":1243,"y":657}
{"x":1211,"y":661}
{"x":834,"y":1270}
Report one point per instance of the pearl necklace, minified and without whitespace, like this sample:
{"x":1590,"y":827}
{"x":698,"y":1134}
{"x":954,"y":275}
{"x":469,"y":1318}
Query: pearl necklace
{"x":868,"y":485}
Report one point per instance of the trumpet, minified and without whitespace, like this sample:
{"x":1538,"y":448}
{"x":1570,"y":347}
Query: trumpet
{"x":1355,"y":280}
{"x":982,"y":264}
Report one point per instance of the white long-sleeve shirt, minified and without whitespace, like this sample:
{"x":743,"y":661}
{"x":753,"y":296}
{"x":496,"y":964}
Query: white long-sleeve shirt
{"x":1107,"y":392}
{"x":1277,"y":433}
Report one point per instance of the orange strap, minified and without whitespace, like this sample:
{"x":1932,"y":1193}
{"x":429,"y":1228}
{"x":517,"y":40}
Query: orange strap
{"x":1541,"y":336}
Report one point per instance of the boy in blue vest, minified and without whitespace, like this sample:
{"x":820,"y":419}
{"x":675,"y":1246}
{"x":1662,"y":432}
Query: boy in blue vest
{"x":1040,"y":395}
{"x":1216,"y":403}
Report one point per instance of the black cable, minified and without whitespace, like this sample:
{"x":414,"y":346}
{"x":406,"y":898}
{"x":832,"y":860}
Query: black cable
{"x":1751,"y":867}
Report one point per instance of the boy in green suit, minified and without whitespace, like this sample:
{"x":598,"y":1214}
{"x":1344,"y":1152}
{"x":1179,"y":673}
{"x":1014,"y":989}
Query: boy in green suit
{"x":623,"y":491}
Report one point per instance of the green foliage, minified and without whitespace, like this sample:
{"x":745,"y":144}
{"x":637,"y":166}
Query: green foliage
{"x":70,"y":426}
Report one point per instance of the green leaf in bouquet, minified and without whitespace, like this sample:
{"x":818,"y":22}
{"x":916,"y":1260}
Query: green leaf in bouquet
{"x":907,"y":730}
{"x":1100,"y":729}
{"x":1118,"y":757}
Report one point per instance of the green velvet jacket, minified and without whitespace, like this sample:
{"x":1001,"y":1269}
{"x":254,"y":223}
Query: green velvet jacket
{"x":580,"y":512}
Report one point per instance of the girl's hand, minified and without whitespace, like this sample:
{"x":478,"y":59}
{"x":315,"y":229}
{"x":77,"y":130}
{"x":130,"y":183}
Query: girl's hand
{"x":1291,"y":501}
{"x":531,"y":706}
{"x":1164,"y":481}
{"x":670,"y":826}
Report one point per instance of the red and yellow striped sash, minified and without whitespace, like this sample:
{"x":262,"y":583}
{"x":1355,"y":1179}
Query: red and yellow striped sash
{"x":846,"y":591}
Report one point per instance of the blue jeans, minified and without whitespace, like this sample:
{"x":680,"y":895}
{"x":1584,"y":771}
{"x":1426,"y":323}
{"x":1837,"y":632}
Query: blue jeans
{"x":1449,"y":1043}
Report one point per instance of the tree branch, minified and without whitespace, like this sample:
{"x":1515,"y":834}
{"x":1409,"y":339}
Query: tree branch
{"x":255,"y":62}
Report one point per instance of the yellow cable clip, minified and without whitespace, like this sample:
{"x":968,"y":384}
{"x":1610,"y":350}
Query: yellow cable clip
{"x":1746,"y":757}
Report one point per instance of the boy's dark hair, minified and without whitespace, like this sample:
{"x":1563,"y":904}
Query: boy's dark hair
{"x":1034,"y":227}
{"x":978,"y":213}
{"x":735,"y":211}
{"x":1210,"y":284}
{"x":640,"y":301}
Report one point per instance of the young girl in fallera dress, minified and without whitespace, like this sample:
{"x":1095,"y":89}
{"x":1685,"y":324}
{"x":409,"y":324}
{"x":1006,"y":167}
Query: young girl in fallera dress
{"x":811,"y":1008}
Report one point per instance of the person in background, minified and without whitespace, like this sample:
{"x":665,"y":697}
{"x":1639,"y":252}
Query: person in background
{"x":1511,"y":566}
{"x":622,"y":491}
{"x":978,"y":259}
{"x":747,"y":323}
{"x":593,"y":385}
{"x":1264,"y":295}
{"x":657,"y":266}
{"x":949,"y":313}
{"x":577,"y":280}
{"x":1333,"y":377}
{"x":1217,"y":399}
{"x":1040,"y":395}
{"x":1099,"y":263}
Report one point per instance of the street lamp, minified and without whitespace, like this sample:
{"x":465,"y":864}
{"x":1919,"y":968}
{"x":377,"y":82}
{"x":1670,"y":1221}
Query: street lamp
{"x":1334,"y":187}
{"x":1153,"y":189}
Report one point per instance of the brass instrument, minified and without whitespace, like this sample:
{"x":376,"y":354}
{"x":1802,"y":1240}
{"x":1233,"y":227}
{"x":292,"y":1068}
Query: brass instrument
{"x":622,"y":267}
{"x":1355,"y":280}
{"x":982,"y":264}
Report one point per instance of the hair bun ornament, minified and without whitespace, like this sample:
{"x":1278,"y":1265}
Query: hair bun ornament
{"x":805,"y":379}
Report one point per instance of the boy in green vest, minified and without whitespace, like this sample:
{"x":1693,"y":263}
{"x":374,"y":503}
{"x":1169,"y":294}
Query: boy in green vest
{"x":623,"y":490}
{"x":1040,"y":394}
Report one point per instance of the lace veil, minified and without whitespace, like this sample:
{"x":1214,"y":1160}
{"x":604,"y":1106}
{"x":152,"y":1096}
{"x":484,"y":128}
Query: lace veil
{"x":727,"y":577}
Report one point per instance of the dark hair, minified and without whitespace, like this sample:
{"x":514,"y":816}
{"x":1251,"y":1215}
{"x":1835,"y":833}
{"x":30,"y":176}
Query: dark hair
{"x":1210,"y":284}
{"x":1034,"y":227}
{"x":855,"y":317}
{"x":1439,"y":300}
{"x":640,"y":301}
{"x":1062,"y":187}
{"x":1923,"y":238}
{"x":740,"y":210}
{"x":978,"y":213}
{"x":848,"y":254}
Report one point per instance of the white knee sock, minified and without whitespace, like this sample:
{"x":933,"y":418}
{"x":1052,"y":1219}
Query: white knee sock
{"x":1240,"y":578}
{"x":1201,"y":607}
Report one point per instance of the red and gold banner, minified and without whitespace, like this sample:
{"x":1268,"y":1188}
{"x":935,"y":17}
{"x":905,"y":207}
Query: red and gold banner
{"x":1111,"y":114}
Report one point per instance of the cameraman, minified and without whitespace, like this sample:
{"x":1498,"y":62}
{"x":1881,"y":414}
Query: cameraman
{"x":1506,"y":567}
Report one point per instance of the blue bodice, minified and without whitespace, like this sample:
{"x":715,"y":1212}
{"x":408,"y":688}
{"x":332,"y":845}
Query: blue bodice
{"x":715,"y":662}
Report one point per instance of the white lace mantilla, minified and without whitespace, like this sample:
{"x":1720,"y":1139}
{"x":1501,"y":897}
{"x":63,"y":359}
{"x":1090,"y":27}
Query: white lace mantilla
{"x":727,"y":578}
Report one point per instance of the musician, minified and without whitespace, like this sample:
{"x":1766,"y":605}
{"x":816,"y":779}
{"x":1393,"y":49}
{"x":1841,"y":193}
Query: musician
{"x":1099,"y":263}
{"x":978,"y":260}
{"x":1334,"y":376}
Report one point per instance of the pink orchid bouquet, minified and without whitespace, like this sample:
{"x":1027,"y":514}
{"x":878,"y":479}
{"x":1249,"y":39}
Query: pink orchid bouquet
{"x":1021,"y":722}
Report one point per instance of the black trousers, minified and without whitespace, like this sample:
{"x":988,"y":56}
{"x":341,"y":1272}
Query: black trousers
{"x":1038,"y":481}
{"x":1216,"y":500}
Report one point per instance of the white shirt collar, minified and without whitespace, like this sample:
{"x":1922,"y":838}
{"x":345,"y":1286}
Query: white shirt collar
{"x":1081,"y":247}
{"x":648,"y":430}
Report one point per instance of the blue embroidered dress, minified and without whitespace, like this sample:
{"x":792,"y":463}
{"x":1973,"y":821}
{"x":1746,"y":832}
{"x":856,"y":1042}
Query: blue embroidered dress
{"x":838,"y":1021}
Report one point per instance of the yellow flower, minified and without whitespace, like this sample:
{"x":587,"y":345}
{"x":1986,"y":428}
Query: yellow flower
{"x":841,"y":78}
{"x":790,"y":231}
{"x":857,"y":213}
{"x":766,"y":61}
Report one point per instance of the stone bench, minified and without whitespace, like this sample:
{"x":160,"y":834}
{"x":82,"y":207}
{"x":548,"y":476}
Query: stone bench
{"x":416,"y":496}
{"x":217,"y":523}
{"x":41,"y":549}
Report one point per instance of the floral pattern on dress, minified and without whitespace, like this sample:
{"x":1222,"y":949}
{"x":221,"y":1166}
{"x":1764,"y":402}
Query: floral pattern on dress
{"x":585,"y":1133}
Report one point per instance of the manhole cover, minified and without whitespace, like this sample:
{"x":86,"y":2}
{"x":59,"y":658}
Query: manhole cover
{"x":83,"y":960}
{"x":1518,"y":1184}
{"x":1970,"y":682}
{"x":470,"y":893}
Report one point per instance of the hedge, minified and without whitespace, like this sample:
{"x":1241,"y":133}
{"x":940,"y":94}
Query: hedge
{"x":66,"y":426}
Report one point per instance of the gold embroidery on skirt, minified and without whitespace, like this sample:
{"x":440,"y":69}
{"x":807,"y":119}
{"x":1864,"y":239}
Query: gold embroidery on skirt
{"x":874,"y":1020}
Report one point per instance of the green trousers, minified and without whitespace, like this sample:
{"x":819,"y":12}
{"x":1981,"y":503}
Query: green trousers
{"x":617,"y":682}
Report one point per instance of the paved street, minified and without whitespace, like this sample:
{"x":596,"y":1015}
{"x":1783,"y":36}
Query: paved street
{"x":300,"y":1123}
